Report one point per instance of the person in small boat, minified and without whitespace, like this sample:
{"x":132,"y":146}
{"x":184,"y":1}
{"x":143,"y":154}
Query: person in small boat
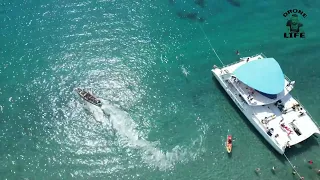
{"x":90,"y":97}
{"x":87,"y":95}
{"x":229,"y":141}
{"x":99,"y":102}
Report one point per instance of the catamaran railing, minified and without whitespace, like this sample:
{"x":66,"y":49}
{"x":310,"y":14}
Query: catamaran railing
{"x":264,"y":56}
{"x":249,"y":57}
{"x":302,"y":106}
{"x":307,"y":112}
{"x":230,"y":64}
{"x":287,"y":78}
{"x":238,"y":89}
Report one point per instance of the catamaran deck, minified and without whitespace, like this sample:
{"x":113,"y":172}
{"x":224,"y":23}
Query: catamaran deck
{"x":283,"y":120}
{"x":270,"y":117}
{"x":296,"y":123}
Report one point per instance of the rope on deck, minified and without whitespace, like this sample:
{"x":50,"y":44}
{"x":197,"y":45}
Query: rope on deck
{"x":293,"y":167}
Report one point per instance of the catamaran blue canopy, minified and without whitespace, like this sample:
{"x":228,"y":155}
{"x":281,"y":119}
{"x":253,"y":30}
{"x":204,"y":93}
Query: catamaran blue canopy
{"x":264,"y":75}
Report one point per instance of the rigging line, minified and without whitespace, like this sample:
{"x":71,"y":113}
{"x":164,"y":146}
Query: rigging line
{"x":293,"y":167}
{"x":210,"y":44}
{"x":308,"y":113}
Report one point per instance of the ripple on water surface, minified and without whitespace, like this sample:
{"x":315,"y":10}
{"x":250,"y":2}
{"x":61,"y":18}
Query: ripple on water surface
{"x":110,"y":53}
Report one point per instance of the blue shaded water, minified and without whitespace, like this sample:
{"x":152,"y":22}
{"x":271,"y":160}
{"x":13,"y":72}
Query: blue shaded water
{"x":151,"y":64}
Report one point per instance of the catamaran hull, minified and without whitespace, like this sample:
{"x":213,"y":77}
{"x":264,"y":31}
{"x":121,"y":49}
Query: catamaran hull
{"x":248,"y":114}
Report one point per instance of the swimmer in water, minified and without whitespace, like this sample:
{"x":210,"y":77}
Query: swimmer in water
{"x":257,"y":170}
{"x":237,"y":52}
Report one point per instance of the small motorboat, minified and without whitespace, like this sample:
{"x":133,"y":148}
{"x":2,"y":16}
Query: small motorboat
{"x":88,"y":97}
{"x":229,"y":144}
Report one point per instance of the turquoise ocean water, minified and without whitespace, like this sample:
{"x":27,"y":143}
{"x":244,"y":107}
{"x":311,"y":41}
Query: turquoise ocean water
{"x":169,"y":119}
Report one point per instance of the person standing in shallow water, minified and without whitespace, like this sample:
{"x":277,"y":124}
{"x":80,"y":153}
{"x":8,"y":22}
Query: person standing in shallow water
{"x":310,"y":162}
{"x":293,"y":25}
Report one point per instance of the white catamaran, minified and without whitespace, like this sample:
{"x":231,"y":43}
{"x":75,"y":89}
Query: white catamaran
{"x":262,"y":92}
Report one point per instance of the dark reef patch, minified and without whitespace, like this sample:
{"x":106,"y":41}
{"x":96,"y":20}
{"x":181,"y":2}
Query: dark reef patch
{"x":234,"y":2}
{"x":191,"y":16}
{"x":194,"y":10}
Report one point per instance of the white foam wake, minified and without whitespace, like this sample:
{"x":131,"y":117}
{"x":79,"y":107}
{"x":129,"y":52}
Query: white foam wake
{"x":125,"y":129}
{"x":185,"y":72}
{"x":95,"y":111}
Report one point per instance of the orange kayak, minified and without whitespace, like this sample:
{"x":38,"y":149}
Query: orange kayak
{"x":229,"y":144}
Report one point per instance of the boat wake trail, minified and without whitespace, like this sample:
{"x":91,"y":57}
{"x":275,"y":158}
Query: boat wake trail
{"x":95,"y":111}
{"x":129,"y":137}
